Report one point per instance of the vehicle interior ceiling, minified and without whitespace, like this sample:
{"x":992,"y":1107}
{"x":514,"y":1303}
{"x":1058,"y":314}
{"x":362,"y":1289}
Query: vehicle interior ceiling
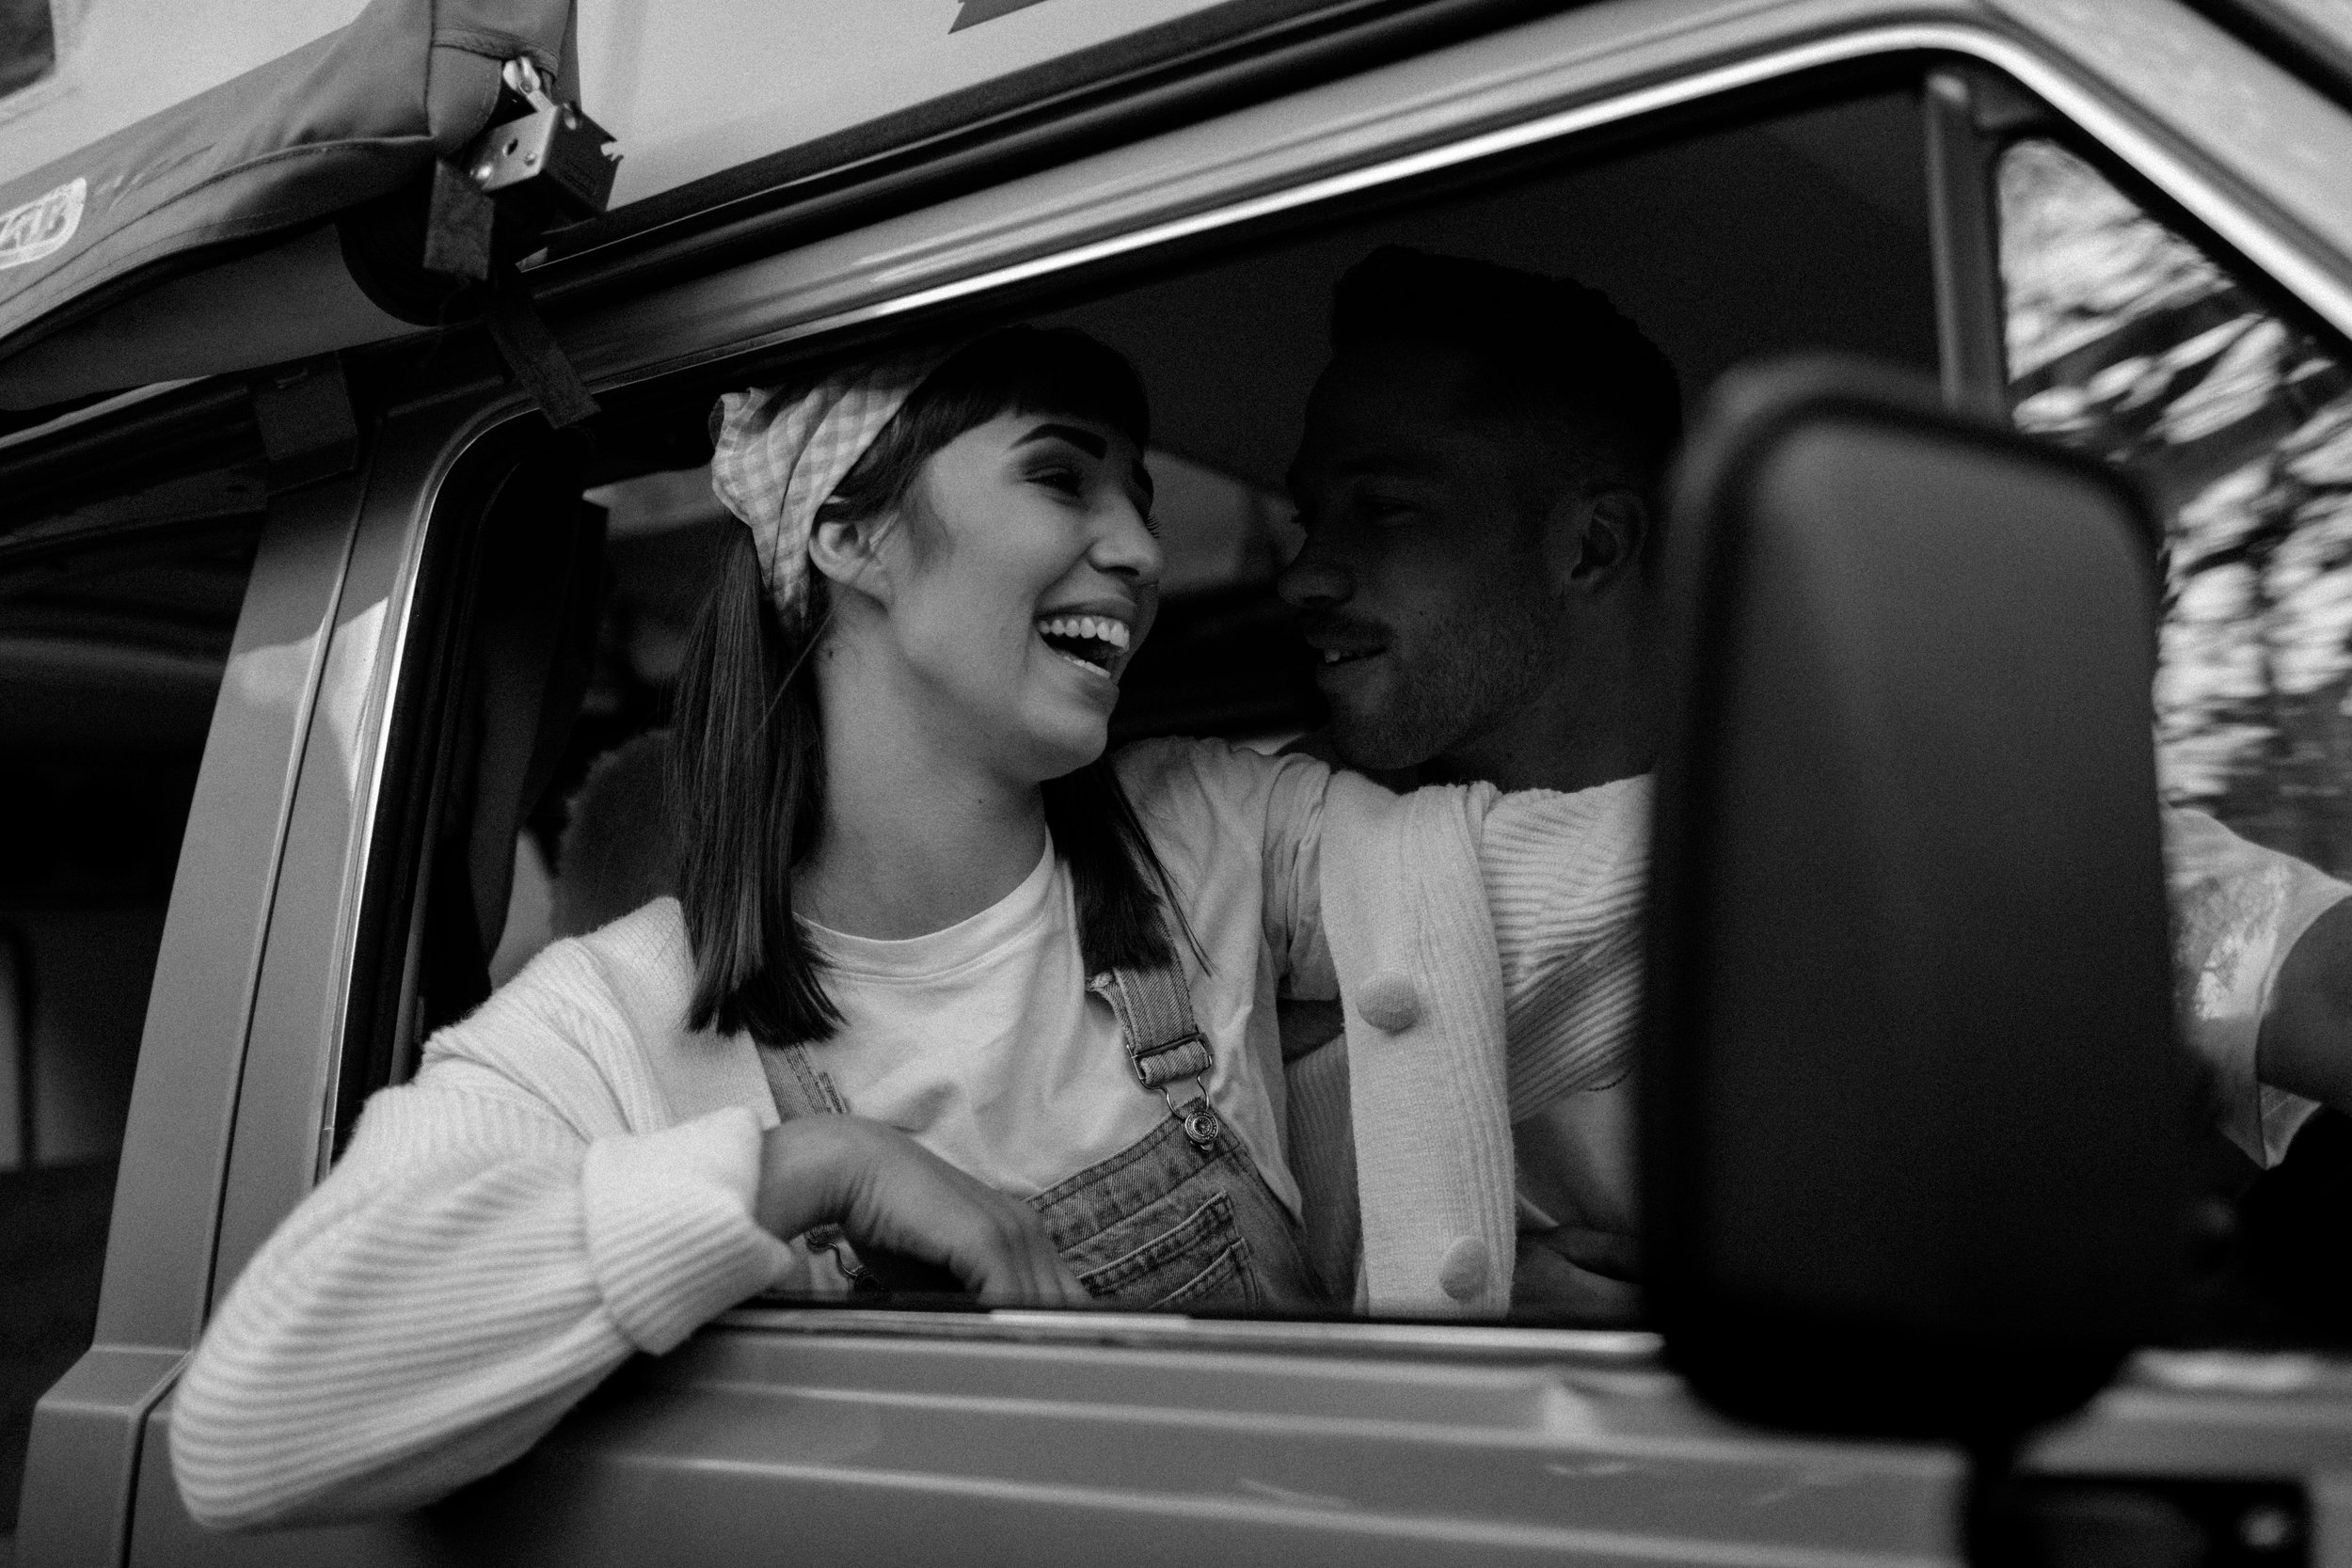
{"x":113,"y":646}
{"x":1811,"y":234}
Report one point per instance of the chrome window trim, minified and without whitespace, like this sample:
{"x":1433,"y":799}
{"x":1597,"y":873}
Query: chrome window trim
{"x":1161,"y":1331}
{"x":429,"y":425}
{"x":1548,"y":127}
{"x":2190,"y":1371}
{"x":104,"y":408}
{"x":2240,"y":222}
{"x":2237,"y":218}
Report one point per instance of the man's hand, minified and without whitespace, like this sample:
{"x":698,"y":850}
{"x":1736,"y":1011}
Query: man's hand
{"x":884,"y":1189}
{"x":1585,"y":1276}
{"x":1575,"y":1167}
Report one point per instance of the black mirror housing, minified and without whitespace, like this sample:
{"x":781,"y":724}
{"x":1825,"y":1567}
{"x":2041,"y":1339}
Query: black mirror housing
{"x":1915,"y":1111}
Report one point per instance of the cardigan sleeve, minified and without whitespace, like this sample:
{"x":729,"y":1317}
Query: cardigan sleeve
{"x":1564,"y":876}
{"x":1567,"y":875}
{"x":503,"y":1230}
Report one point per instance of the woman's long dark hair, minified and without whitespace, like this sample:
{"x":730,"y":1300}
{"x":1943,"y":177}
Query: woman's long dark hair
{"x":748,"y":750}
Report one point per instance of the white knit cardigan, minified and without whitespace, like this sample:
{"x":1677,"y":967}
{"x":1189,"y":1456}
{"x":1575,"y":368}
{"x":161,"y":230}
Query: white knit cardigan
{"x":568,"y":1179}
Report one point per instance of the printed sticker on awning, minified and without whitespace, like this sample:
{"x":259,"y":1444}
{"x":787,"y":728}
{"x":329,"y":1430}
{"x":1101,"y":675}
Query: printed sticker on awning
{"x":40,"y":227}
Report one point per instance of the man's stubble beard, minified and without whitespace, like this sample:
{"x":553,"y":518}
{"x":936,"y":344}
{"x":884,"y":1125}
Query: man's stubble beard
{"x":1458,"y":681}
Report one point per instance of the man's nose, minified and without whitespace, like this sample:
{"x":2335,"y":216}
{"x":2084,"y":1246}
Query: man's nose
{"x":1315,"y":580}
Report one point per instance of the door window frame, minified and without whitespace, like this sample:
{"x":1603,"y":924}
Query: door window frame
{"x":1368,"y":136}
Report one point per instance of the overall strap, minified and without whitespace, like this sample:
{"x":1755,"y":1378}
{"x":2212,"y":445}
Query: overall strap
{"x":1154,"y":1008}
{"x":799,"y":1086}
{"x":802,"y":1088}
{"x":1163,"y":1044}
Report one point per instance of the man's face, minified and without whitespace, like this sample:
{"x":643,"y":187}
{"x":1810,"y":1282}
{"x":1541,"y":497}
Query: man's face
{"x":1424,"y":584}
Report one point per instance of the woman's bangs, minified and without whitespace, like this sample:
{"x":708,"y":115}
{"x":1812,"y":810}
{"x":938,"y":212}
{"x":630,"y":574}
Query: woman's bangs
{"x":1063,"y":371}
{"x":1047,"y":372}
{"x":1040,"y":371}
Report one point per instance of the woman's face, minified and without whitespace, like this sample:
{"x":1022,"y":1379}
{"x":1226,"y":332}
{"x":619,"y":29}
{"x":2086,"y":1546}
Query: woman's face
{"x":1018,"y":580}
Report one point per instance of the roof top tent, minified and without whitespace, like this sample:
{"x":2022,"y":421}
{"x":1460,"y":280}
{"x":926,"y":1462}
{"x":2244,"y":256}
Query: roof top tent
{"x":192,"y":187}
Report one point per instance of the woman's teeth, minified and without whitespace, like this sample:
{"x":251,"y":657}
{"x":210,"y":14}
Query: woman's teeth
{"x":1098,"y":628}
{"x":1090,"y":641}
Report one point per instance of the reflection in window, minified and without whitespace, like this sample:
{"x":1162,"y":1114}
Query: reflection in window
{"x":113,"y":648}
{"x":2127,"y":342}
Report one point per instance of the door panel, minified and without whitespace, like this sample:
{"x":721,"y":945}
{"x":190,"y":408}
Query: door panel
{"x":753,"y":1444}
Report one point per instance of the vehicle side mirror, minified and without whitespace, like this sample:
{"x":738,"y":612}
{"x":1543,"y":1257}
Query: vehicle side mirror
{"x":1916,"y":1114}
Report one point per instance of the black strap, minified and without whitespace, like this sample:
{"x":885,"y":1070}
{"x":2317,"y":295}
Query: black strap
{"x":458,"y":225}
{"x":532,"y":353}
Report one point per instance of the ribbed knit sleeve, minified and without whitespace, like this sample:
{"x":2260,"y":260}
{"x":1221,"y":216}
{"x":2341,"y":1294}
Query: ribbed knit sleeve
{"x":503,"y":1232}
{"x":667,"y":1226}
{"x":1565,"y":877}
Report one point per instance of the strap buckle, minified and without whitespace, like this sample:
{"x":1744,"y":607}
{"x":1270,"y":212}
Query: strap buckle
{"x":828,"y":1240}
{"x":1196,"y":1116}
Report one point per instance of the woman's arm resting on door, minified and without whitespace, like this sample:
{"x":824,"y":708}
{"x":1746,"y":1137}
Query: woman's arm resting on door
{"x":471,"y":1268}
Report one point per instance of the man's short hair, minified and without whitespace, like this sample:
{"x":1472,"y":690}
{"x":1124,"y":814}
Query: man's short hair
{"x":1542,"y":346}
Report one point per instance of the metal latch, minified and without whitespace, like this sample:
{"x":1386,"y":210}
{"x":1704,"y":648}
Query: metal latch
{"x":539,"y":164}
{"x":552,"y":164}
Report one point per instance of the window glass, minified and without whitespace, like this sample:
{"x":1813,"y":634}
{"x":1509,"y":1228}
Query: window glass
{"x":2128,"y":341}
{"x":111,"y":656}
{"x":2125,"y":340}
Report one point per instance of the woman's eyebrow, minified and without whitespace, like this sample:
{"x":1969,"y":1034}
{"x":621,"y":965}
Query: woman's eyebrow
{"x":1085,"y":441}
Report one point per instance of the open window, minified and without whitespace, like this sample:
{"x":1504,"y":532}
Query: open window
{"x":1880,"y":214}
{"x":1933,"y":218}
{"x":559,"y":583}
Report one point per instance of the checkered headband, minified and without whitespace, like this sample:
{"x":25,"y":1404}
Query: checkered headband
{"x":781,"y":451}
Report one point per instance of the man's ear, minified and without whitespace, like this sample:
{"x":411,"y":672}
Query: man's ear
{"x":1615,"y":529}
{"x":849,"y":553}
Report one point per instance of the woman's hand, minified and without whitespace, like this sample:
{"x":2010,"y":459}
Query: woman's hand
{"x":885,"y":1189}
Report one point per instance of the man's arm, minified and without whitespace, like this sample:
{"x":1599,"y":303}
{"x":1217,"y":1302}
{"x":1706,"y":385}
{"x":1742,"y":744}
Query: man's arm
{"x":2261,"y":1006}
{"x":2306,"y":1042}
{"x":1575,"y":1164}
{"x":1566,"y":875}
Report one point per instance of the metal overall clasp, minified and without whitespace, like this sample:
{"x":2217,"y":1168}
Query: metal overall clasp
{"x":1199,"y":1121}
{"x":828,"y":1240}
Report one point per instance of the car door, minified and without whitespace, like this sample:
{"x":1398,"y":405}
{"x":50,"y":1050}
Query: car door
{"x":896,"y":1436}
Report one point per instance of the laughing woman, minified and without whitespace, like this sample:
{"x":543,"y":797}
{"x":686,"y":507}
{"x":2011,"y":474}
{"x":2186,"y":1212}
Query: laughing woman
{"x":943,"y":982}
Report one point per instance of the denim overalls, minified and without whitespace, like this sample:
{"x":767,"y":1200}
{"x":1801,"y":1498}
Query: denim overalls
{"x":1179,"y":1220}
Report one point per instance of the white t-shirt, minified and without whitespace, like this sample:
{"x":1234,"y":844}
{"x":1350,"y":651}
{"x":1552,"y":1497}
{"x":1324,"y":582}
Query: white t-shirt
{"x":982,"y":1042}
